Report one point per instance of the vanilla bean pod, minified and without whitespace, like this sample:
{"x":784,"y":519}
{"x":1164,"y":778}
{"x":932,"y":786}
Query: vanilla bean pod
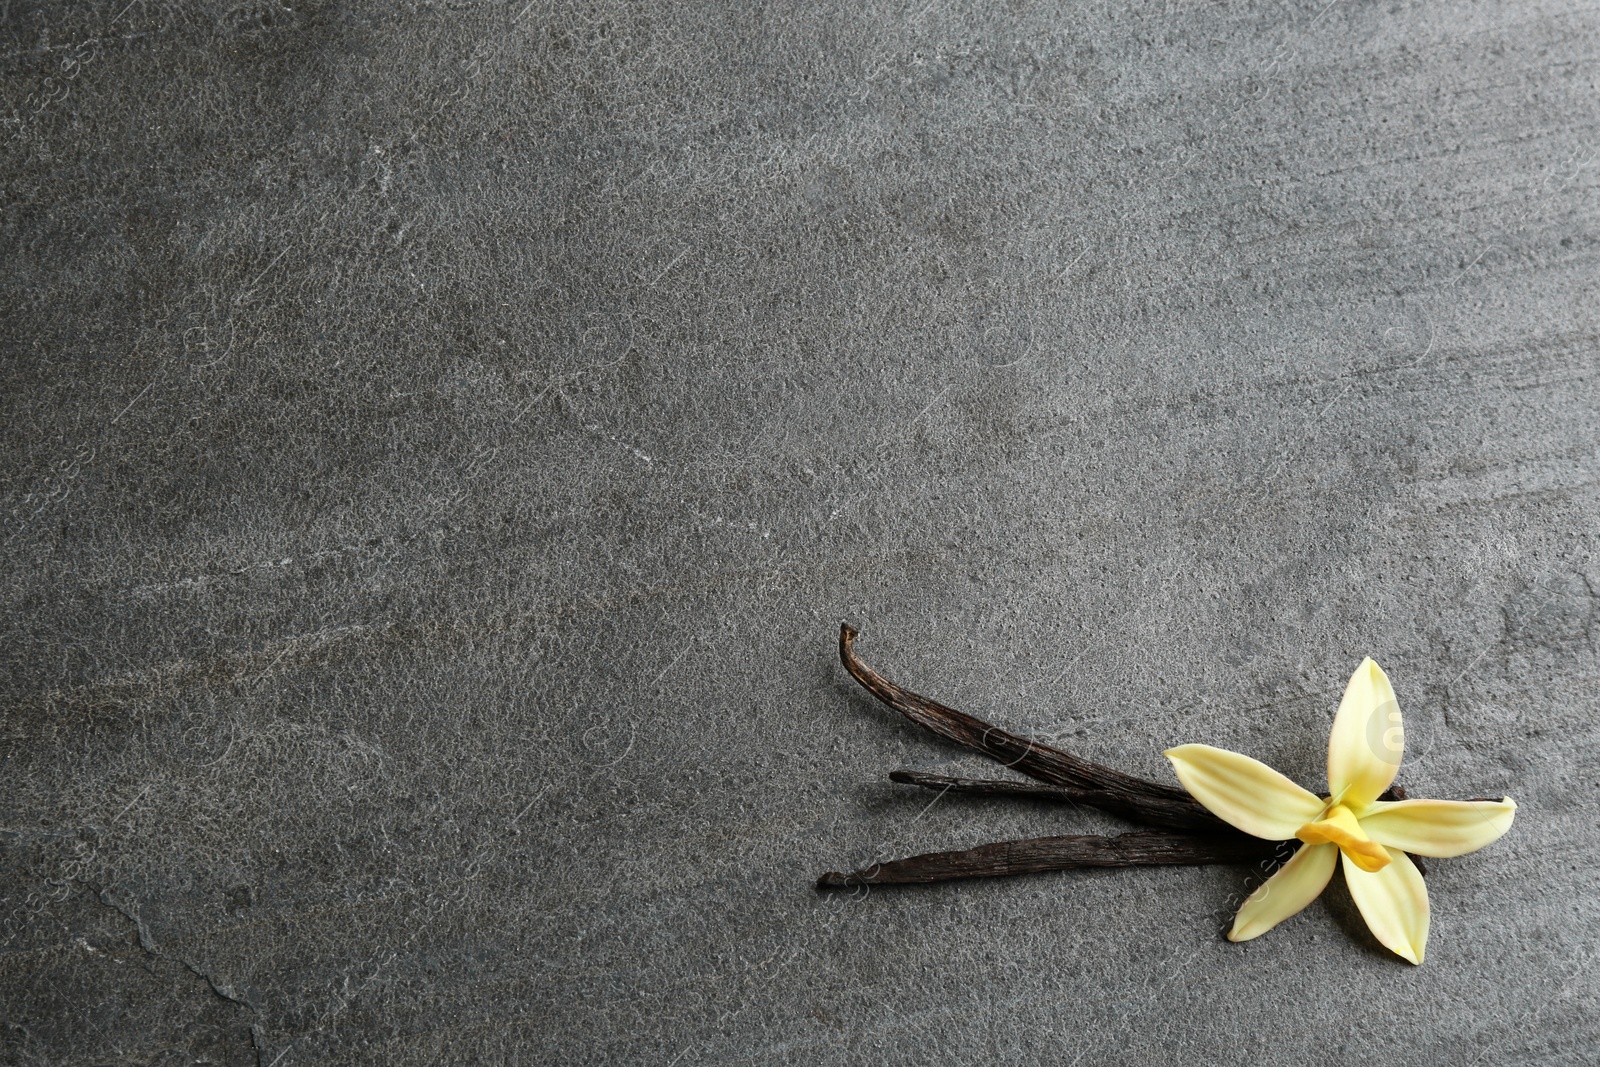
{"x":1001,"y":787}
{"x":1135,"y":799}
{"x":1202,"y":837}
{"x":1002,"y":858}
{"x":1139,"y":849}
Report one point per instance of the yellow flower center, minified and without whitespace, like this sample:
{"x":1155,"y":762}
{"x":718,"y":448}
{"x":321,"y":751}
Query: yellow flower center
{"x":1339,"y":826}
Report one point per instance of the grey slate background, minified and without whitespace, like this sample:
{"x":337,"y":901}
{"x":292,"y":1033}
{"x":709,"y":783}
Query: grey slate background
{"x":441,"y":441}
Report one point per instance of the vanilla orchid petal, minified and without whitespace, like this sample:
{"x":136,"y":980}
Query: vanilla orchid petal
{"x":1394,"y":902}
{"x":1368,"y":738}
{"x":1294,"y":885}
{"x":1438,"y":827}
{"x":1243,"y":792}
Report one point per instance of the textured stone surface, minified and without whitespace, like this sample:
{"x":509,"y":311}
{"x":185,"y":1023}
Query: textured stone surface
{"x":441,"y":441}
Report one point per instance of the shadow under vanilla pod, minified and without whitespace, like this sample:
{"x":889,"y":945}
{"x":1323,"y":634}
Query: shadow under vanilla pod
{"x":1236,"y":810}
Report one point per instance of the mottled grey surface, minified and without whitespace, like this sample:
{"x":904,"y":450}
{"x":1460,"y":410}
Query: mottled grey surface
{"x":442,"y":440}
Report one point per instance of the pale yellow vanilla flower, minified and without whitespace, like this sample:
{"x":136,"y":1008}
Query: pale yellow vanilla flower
{"x":1372,"y":836}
